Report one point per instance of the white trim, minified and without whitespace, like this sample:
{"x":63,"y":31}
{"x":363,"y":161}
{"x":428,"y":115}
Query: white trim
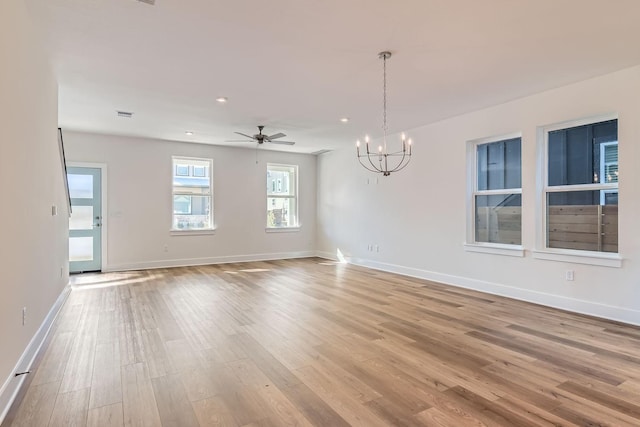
{"x":104,"y":224}
{"x":495,"y":249}
{"x":192,"y":232}
{"x":186,"y":262}
{"x":282,"y":229}
{"x":604,"y":311}
{"x":211,"y":189}
{"x":472,"y":187}
{"x":605,"y":259}
{"x":542,"y":188}
{"x":12,"y":385}
{"x":326,"y":255}
{"x":281,"y":167}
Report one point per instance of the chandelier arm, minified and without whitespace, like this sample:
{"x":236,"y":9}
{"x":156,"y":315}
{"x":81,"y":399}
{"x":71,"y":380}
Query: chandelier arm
{"x":379,"y":169}
{"x":398,"y":165}
{"x":401,"y":165}
{"x":366,"y":166}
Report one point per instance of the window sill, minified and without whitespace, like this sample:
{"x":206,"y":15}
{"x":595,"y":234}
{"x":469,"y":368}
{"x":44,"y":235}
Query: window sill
{"x":205,"y":231}
{"x":580,"y":257}
{"x":495,"y":249}
{"x":282,"y":229}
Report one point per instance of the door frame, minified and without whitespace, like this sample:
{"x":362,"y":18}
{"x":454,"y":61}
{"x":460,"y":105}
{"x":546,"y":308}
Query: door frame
{"x":103,"y":214}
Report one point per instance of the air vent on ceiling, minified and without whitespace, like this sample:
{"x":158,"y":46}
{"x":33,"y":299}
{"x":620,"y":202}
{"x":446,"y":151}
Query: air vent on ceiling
{"x":151,"y":2}
{"x":125,"y":114}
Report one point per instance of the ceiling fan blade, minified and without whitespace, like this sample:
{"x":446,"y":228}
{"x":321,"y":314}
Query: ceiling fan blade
{"x":239,"y":140}
{"x":244,"y":134}
{"x":276,"y":135}
{"x":283,"y":142}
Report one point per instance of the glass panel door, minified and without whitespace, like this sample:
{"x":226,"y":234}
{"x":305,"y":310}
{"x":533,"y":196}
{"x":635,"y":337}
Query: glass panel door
{"x":85,"y":223}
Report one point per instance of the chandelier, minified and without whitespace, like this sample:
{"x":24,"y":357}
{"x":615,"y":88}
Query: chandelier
{"x":382,"y":161}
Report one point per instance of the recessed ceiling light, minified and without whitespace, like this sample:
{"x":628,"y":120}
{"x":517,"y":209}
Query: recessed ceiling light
{"x":344,"y":119}
{"x":222,"y":99}
{"x":189,"y":133}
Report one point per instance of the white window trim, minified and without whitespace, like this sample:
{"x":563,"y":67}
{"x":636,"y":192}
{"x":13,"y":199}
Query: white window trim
{"x":541,"y":250}
{"x":200,"y":231}
{"x":297,"y":226}
{"x":470,"y":245}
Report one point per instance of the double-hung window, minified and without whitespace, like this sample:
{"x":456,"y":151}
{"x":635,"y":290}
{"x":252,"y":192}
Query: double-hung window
{"x":580,"y":195}
{"x":282,"y":196}
{"x":192,"y":207}
{"x":496,"y":192}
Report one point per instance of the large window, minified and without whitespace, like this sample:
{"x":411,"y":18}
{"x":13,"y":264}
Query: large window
{"x":581,"y":187}
{"x":282,"y":196}
{"x":496,"y":197}
{"x":192,"y":207}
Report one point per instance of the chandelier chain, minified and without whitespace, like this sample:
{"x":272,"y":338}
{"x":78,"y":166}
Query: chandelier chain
{"x":384,"y":96}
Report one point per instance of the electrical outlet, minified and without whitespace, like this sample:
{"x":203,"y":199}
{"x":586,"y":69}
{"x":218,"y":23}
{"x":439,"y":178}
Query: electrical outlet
{"x":569,"y":275}
{"x":24,"y":316}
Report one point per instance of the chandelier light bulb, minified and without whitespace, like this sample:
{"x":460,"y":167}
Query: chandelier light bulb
{"x":358,"y":143}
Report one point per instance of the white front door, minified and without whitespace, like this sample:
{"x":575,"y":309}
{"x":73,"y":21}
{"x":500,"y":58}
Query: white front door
{"x":85,"y":223}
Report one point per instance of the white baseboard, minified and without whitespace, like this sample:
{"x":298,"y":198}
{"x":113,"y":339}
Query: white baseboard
{"x":187,"y":262}
{"x":12,"y":385}
{"x":590,"y":308}
{"x":326,"y":255}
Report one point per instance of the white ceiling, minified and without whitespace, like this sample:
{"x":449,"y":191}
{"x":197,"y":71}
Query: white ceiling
{"x":298,"y":66}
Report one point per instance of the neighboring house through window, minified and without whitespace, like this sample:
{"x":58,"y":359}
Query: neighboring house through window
{"x":282,"y":196}
{"x":580,"y":195}
{"x":192,"y":207}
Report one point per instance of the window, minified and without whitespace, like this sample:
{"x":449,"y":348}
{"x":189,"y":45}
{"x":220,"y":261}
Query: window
{"x":282,"y":196}
{"x":496,"y":193}
{"x":192,"y":208}
{"x":580,"y":195}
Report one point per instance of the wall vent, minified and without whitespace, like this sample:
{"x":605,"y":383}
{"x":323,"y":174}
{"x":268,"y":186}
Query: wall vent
{"x":151,"y":2}
{"x":125,"y":114}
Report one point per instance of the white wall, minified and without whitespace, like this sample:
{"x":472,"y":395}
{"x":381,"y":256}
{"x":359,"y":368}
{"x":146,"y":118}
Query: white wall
{"x":34,"y":243}
{"x":139,"y":202}
{"x":417,"y":216}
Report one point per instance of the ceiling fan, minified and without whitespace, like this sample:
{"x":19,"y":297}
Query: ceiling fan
{"x":260,"y":137}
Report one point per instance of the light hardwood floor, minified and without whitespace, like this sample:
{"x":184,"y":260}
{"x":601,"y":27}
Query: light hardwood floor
{"x":310,"y":342}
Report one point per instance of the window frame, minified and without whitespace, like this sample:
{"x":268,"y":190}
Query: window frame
{"x":294,"y":197}
{"x":471,"y":245}
{"x":542,"y":251}
{"x":210,"y":229}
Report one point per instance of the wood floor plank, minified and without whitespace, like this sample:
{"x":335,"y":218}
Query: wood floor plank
{"x":106,"y":383}
{"x":173,"y":404}
{"x":139,"y":405}
{"x":106,"y":416}
{"x":309,"y":342}
{"x":71,"y":409}
{"x":37,"y":405}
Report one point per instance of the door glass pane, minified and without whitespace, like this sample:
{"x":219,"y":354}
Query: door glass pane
{"x":80,"y":248}
{"x":81,"y":218}
{"x":80,"y":186}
